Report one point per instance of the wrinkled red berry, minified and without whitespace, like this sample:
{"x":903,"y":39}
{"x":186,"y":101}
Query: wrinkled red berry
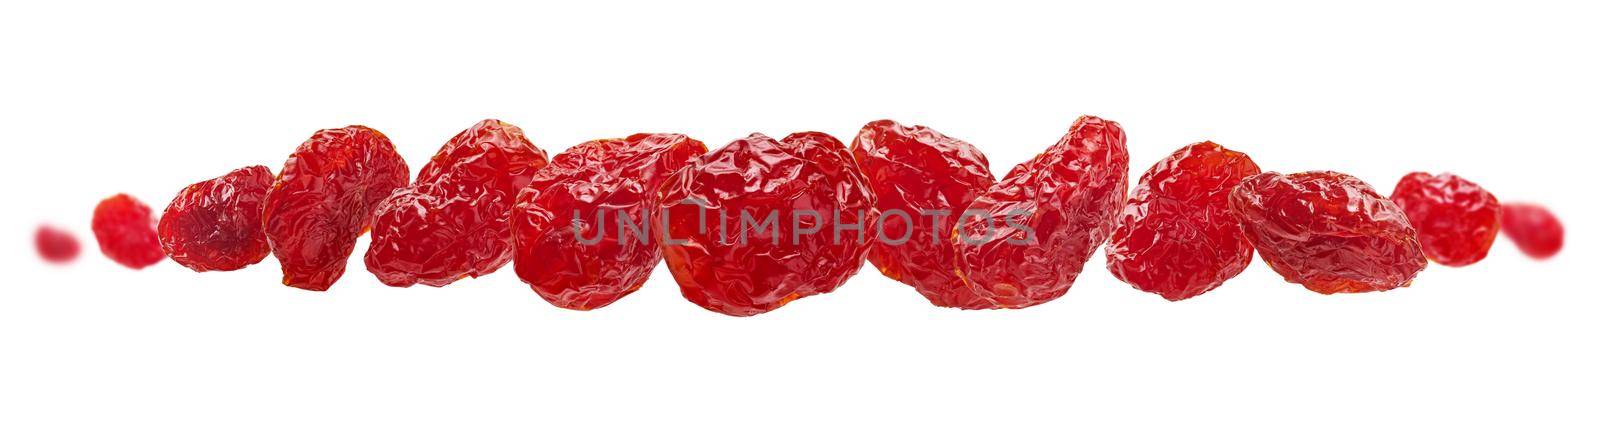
{"x":454,"y":222}
{"x":55,"y":245}
{"x":923,"y":180}
{"x":782,"y":220}
{"x":1456,"y":220}
{"x":1024,"y":241}
{"x":1328,"y":231}
{"x":1533,"y":228}
{"x":608,"y":190}
{"x":126,"y":231}
{"x":323,"y":200}
{"x":1176,"y":236}
{"x":216,"y":224}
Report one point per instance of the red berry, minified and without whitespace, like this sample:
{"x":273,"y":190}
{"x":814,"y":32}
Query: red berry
{"x":1176,"y":237}
{"x":596,"y":185}
{"x":1029,"y":235}
{"x":216,"y":224}
{"x":1328,"y":231}
{"x":55,"y":245}
{"x":455,"y":221}
{"x":1456,"y":220}
{"x":126,"y":231}
{"x":323,"y":201}
{"x":805,"y":183}
{"x":1534,"y":229}
{"x":923,"y":181}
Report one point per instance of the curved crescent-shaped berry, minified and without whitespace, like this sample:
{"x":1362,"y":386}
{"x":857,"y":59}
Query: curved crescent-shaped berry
{"x":1024,"y":241}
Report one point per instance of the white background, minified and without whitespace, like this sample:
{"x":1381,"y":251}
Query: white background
{"x":140,"y":98}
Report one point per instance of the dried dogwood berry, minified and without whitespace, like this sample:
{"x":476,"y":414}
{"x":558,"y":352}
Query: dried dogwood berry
{"x":1024,"y":241}
{"x":454,"y":222}
{"x":1328,"y":231}
{"x":759,"y":222}
{"x":55,"y":245}
{"x":216,"y":224}
{"x":1456,"y":220}
{"x":126,"y":231}
{"x":1533,"y":228}
{"x":923,"y":180}
{"x":323,"y":200}
{"x":583,"y":225}
{"x":1176,"y":236}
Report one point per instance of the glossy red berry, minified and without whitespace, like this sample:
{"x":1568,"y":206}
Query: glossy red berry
{"x":1328,"y":231}
{"x":1024,"y":241}
{"x":1533,"y":228}
{"x":584,"y":226}
{"x":923,"y":181}
{"x":323,"y":200}
{"x":126,"y":231}
{"x":455,"y":221}
{"x":216,"y":224}
{"x":56,"y":246}
{"x":1176,"y":237}
{"x":810,"y":219}
{"x":1456,"y":220}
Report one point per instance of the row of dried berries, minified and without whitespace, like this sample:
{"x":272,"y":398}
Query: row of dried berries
{"x":490,"y":197}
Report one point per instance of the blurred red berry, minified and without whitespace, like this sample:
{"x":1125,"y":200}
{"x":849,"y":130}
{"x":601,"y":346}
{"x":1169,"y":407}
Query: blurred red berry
{"x":55,"y":245}
{"x":1533,"y":228}
{"x":126,"y":231}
